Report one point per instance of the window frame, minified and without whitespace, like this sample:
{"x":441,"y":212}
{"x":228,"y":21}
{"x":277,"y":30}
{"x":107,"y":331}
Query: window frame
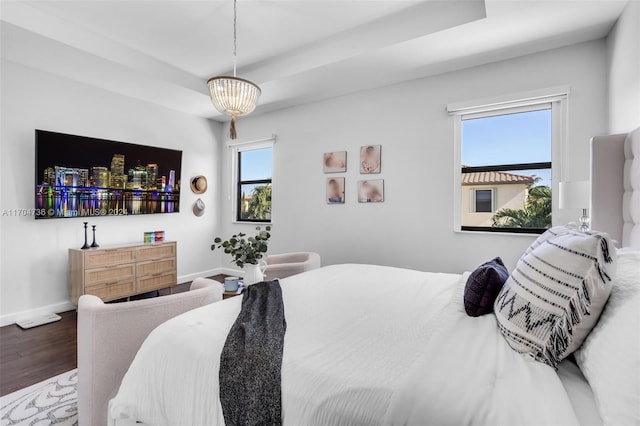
{"x":236,"y":151}
{"x":474,"y":201}
{"x":557,"y":98}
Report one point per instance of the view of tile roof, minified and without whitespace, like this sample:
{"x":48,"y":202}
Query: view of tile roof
{"x":495,"y":178}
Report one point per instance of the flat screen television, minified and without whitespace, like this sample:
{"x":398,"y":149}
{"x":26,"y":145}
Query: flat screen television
{"x":79,"y":176}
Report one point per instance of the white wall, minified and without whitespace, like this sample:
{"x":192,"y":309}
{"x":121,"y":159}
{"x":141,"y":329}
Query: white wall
{"x":413,"y":228}
{"x":623,"y":56}
{"x":34,"y":253}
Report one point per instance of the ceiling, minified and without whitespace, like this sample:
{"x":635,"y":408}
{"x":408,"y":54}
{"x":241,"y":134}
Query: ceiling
{"x":298,"y":51}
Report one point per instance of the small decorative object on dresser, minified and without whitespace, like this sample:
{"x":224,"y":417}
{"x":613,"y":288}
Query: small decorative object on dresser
{"x":121,"y":271}
{"x":149,"y":237}
{"x":247,"y":253}
{"x":86,"y":244}
{"x":94,"y":244}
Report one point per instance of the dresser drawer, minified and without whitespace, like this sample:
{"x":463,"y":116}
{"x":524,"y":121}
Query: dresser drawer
{"x":100,"y":258}
{"x":155,"y":267}
{"x":113,"y":290}
{"x":153,"y":252}
{"x":97,"y":276}
{"x":155,"y":282}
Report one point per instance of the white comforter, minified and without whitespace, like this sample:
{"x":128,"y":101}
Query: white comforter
{"x":365,"y":345}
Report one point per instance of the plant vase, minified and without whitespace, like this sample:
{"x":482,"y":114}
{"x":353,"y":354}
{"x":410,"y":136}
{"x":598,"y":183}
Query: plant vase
{"x":253,"y":274}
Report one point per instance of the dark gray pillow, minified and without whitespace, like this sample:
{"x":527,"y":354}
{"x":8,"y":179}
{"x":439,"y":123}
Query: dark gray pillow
{"x":483,"y":286}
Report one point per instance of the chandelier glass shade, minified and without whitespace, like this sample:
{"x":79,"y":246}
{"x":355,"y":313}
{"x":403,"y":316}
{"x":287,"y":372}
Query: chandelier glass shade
{"x":234,"y":96}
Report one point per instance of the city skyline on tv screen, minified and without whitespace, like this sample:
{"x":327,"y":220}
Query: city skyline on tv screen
{"x":78,"y":176}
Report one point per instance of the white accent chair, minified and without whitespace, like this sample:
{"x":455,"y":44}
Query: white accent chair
{"x":288,"y":264}
{"x":109,"y":336}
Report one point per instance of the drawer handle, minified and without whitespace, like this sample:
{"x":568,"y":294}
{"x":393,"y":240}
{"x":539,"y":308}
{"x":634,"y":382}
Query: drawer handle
{"x":113,"y":283}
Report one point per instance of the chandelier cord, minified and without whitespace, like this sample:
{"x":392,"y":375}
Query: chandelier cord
{"x":232,"y":95}
{"x":235,"y":36}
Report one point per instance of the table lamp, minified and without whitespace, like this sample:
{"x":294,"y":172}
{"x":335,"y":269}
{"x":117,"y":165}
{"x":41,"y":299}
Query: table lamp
{"x":575,"y":195}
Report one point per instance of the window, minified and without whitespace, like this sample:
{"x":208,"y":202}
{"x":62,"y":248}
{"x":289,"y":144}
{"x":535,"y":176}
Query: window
{"x":482,"y":200}
{"x":509,"y":156}
{"x":254,"y":185}
{"x":506,"y":169}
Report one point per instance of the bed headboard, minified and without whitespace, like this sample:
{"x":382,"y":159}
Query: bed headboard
{"x":615,"y":187}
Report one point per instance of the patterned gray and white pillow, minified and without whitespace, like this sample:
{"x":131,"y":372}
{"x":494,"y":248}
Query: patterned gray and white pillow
{"x":556,"y":293}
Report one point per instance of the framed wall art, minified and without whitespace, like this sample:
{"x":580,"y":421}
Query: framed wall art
{"x":335,"y":190}
{"x":370,"y":159}
{"x":335,"y":162}
{"x":371,"y":191}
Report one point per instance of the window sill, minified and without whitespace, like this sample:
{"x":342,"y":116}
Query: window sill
{"x":512,"y":234}
{"x":245,"y":222}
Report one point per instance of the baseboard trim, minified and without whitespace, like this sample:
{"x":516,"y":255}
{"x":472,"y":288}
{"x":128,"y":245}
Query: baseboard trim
{"x":202,"y":274}
{"x":231,"y":272}
{"x":56,"y":308}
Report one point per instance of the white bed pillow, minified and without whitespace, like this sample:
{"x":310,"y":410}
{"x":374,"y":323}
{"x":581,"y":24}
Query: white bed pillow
{"x":556,"y":293}
{"x":550,"y":233}
{"x":610,"y":356}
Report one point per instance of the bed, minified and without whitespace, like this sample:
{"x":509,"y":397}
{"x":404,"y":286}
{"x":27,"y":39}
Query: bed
{"x":373,"y":345}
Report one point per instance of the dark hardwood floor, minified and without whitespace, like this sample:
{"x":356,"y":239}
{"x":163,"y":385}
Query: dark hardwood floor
{"x":31,"y":356}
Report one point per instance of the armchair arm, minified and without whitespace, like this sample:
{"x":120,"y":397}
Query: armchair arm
{"x":109,"y":336}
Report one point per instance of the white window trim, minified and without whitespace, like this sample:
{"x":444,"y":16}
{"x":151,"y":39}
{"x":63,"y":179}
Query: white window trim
{"x":234,"y":149}
{"x":558,"y":98}
{"x":496,"y":103}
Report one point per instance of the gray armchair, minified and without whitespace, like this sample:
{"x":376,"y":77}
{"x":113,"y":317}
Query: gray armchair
{"x":109,"y":336}
{"x":285,"y":265}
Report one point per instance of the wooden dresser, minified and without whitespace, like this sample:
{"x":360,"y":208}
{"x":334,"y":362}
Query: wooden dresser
{"x":122,"y":271}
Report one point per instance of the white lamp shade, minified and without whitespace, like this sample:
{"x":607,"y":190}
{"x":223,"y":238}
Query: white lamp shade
{"x":574,"y":195}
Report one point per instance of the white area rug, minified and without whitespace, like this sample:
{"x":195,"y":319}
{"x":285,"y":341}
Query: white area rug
{"x":51,"y":402}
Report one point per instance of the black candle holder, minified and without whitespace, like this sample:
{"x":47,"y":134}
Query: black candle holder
{"x":94,"y":244}
{"x":86,"y":244}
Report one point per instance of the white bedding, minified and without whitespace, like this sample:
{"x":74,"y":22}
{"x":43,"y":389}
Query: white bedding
{"x":367,"y":345}
{"x":580,"y":394}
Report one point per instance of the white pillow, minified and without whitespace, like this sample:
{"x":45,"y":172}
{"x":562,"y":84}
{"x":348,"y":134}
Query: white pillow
{"x":550,"y":233}
{"x":610,"y":356}
{"x":556,"y":293}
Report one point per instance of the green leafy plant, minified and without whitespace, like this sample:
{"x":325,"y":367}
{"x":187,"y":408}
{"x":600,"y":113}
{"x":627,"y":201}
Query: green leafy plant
{"x":245,"y":250}
{"x":259,"y":203}
{"x":535,"y":214}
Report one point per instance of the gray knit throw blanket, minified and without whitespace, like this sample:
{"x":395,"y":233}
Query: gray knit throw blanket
{"x":251,"y":360}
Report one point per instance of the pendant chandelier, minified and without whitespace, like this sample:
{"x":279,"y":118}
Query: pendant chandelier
{"x":234,"y":96}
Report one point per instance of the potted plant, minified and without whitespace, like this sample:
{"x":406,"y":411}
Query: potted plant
{"x":247,"y":253}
